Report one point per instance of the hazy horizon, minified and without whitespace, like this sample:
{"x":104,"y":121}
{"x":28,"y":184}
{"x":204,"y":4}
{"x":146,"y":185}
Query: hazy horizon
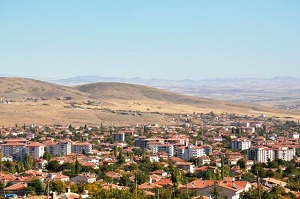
{"x":149,"y":78}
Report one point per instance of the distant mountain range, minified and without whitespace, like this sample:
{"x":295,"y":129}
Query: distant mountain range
{"x":280,"y":91}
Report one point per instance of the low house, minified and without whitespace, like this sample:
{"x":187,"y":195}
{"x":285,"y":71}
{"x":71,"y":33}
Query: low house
{"x":186,"y":166}
{"x":165,"y":183}
{"x":108,"y":186}
{"x":229,"y":189}
{"x":18,"y":189}
{"x":149,"y":186}
{"x":84,"y":178}
{"x":58,"y":177}
{"x":271,"y":182}
{"x":70,"y":195}
{"x":204,"y":160}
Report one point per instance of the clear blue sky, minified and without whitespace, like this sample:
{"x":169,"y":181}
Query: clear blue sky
{"x":167,"y":39}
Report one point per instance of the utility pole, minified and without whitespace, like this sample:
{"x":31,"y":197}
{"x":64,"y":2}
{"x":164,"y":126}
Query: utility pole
{"x":257,"y":181}
{"x":136,"y":185}
{"x":47,"y":189}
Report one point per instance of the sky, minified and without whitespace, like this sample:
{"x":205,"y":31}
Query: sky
{"x":166,"y":39}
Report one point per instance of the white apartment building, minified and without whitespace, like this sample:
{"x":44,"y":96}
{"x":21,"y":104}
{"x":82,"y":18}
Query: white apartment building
{"x":240,"y":144}
{"x":35,"y":149}
{"x":16,"y":150}
{"x":81,"y":147}
{"x":59,"y":148}
{"x":260,"y":154}
{"x":191,"y":151}
{"x":284,"y":153}
{"x":263,"y":154}
{"x":153,"y":146}
{"x":168,"y":148}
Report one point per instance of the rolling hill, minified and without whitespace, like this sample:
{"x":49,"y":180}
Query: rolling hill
{"x":102,"y":102}
{"x":280,"y":92}
{"x":20,"y":88}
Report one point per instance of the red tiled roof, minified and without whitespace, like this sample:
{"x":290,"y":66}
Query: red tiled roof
{"x":17,"y":186}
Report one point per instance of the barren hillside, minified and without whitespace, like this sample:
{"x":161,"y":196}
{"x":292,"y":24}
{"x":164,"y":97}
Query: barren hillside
{"x":117,"y":103}
{"x":20,"y":88}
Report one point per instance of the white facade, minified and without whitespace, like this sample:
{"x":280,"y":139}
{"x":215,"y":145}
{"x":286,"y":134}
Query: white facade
{"x":168,"y":148}
{"x":16,"y":150}
{"x":153,"y":146}
{"x":240,"y":144}
{"x":263,"y":154}
{"x":79,"y":148}
{"x":35,"y":150}
{"x":284,"y":153}
{"x":60,"y":148}
{"x":193,"y":151}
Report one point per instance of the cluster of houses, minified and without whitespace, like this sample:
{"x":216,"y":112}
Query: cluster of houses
{"x":192,"y":148}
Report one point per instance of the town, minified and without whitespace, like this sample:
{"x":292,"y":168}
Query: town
{"x":200,"y":155}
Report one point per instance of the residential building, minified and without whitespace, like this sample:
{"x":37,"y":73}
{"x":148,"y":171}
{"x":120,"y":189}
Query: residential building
{"x":84,"y":178}
{"x":81,"y":147}
{"x":59,"y":148}
{"x":14,"y":149}
{"x":35,"y":149}
{"x":168,"y":148}
{"x":260,"y":154}
{"x":240,"y":144}
{"x":264,"y":153}
{"x":191,"y":151}
{"x":230,"y":189}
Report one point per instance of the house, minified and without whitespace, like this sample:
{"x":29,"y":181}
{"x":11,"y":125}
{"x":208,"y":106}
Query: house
{"x":84,"y":178}
{"x":230,"y":189}
{"x":17,"y":189}
{"x":149,"y":186}
{"x":70,"y":195}
{"x":89,"y":165}
{"x":187,"y":166}
{"x":161,"y":173}
{"x":108,"y":186}
{"x":204,"y":160}
{"x":113,"y":175}
{"x":165,"y":183}
{"x":271,"y":182}
{"x":58,"y":177}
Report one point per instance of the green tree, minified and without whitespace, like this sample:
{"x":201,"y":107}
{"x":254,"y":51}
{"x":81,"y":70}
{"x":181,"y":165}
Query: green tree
{"x":176,"y":176}
{"x":242,"y":163}
{"x":77,"y":167}
{"x":216,"y":192}
{"x":47,"y":155}
{"x":53,"y":166}
{"x":38,"y":186}
{"x":57,"y":186}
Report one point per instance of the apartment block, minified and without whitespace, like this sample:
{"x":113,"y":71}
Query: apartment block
{"x":240,"y":144}
{"x":81,"y":147}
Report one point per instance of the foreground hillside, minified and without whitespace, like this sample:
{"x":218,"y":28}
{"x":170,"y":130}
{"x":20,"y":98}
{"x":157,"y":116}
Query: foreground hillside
{"x":106,"y":102}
